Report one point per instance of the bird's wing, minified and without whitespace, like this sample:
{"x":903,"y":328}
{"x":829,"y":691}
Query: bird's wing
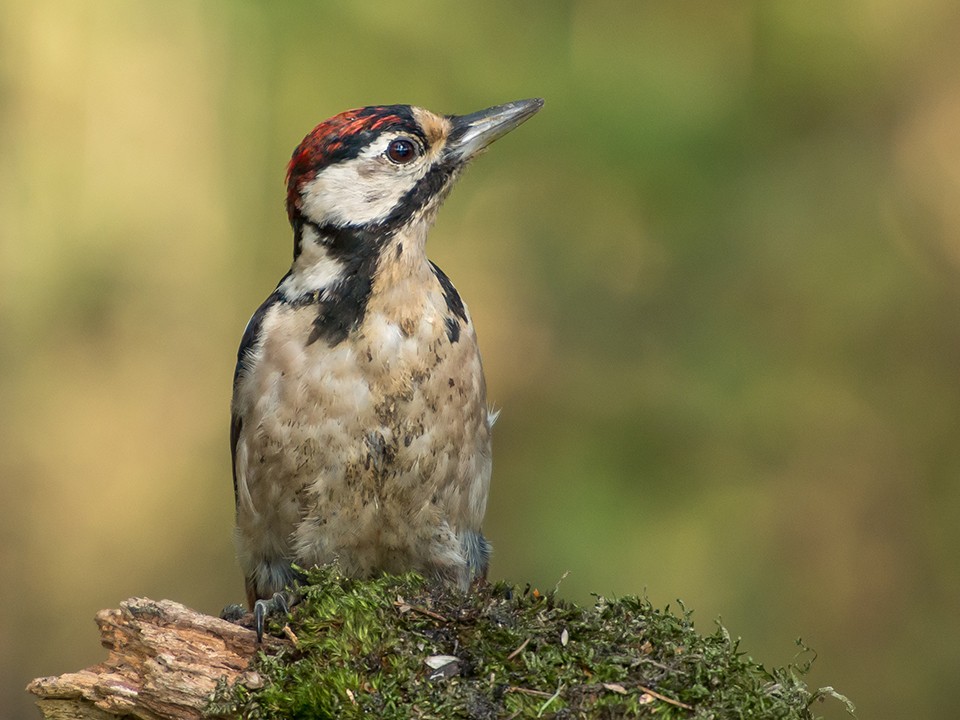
{"x":251,"y":337}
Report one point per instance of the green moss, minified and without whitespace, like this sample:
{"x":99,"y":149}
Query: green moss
{"x":363,"y":650}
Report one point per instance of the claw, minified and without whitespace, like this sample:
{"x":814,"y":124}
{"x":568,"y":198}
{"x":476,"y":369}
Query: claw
{"x":233,"y":612}
{"x":262,"y":609}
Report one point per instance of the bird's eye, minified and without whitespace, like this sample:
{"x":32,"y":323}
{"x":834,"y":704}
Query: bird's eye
{"x":401,"y":151}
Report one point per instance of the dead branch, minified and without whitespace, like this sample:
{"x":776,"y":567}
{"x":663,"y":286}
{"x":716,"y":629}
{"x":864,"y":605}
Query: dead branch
{"x":165,"y":661}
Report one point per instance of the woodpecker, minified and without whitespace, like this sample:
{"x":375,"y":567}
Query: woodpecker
{"x":360,"y":429}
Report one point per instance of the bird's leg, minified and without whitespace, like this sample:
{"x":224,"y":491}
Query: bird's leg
{"x":279,"y":604}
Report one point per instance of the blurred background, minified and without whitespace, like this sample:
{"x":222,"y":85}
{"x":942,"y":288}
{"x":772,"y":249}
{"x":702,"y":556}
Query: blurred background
{"x":715,"y":281}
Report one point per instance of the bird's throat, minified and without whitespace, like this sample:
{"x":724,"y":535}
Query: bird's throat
{"x":341,"y":270}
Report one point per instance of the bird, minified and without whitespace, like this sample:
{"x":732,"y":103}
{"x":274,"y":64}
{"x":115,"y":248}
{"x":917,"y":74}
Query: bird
{"x":360,"y":431}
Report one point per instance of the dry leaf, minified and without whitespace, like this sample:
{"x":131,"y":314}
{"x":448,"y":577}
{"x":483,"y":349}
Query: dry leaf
{"x":438,"y":661}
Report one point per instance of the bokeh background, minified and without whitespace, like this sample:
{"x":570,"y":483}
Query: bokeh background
{"x":715,"y":281}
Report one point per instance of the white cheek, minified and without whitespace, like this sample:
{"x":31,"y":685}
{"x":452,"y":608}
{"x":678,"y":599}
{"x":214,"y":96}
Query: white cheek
{"x":356,"y":192}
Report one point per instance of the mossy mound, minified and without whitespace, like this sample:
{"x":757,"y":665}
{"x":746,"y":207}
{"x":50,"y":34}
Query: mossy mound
{"x":397,"y":647}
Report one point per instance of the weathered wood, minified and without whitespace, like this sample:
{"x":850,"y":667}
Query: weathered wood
{"x":165,"y":661}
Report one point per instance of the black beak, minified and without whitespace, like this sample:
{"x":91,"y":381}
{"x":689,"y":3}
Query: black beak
{"x":472,"y":133}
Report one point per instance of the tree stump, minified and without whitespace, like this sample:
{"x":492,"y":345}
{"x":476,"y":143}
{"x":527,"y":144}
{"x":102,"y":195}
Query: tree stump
{"x":165,"y":662}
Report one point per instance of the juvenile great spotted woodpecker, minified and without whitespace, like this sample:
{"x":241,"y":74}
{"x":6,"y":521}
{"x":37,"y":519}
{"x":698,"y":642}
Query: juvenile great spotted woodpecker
{"x":360,"y":429}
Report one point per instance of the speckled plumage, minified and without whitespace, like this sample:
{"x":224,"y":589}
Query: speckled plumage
{"x":360,"y":430}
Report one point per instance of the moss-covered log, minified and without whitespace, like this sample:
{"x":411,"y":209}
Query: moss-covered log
{"x":400,"y":648}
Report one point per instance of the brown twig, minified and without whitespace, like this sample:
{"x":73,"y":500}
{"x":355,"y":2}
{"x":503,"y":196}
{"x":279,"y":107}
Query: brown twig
{"x":422,"y":610}
{"x":291,"y":635}
{"x":519,"y":650}
{"x":658,"y":696}
{"x":529,"y":691}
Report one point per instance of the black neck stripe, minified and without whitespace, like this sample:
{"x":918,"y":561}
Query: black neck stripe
{"x":341,"y":309}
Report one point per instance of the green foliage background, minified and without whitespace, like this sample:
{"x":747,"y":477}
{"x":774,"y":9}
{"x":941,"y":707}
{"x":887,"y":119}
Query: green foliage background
{"x":715,"y":280}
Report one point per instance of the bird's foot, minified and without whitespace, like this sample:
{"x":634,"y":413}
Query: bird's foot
{"x":233,"y":613}
{"x":279,"y":604}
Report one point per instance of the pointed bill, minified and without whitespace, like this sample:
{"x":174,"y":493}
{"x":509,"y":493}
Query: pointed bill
{"x":472,"y":133}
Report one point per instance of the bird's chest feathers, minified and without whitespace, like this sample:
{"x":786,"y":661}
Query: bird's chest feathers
{"x":401,"y":341}
{"x":394,"y":390}
{"x":399,"y":352}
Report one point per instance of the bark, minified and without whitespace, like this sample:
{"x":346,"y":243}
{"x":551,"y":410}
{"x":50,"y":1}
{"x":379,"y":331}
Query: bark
{"x":165,"y":661}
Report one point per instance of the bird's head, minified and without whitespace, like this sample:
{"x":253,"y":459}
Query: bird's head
{"x":376,"y":169}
